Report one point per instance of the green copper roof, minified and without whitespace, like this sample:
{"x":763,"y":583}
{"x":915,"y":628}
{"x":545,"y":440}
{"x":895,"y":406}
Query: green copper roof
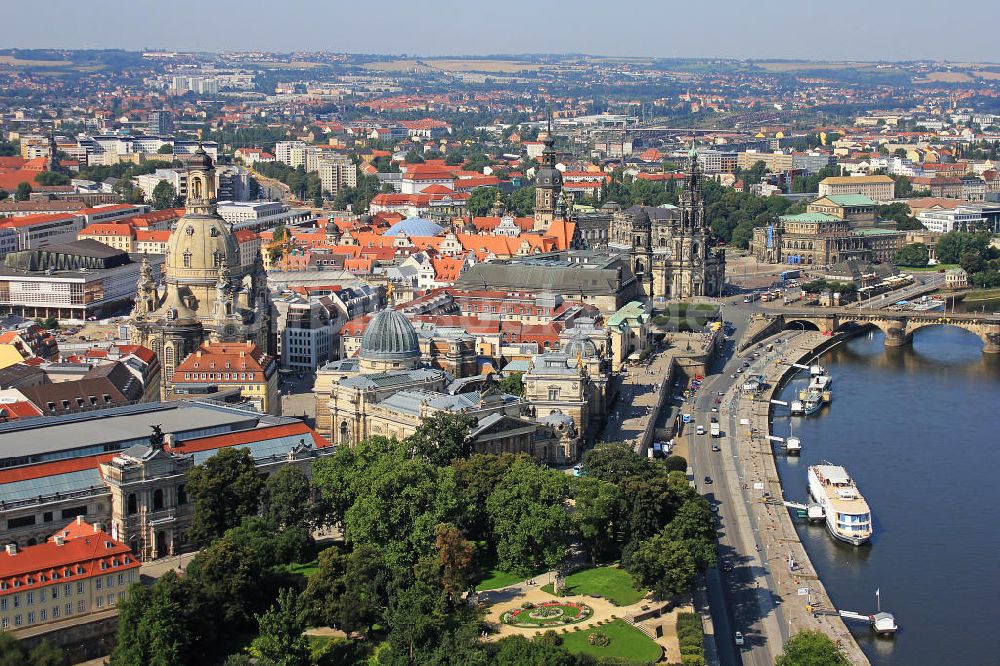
{"x":874,"y":231}
{"x":814,"y":218}
{"x":632,"y":310}
{"x":850,"y":200}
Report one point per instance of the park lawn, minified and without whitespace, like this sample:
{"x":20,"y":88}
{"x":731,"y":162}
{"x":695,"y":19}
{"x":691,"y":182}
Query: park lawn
{"x":927,"y":269}
{"x":612,"y":583}
{"x":627,"y":643}
{"x":303,"y":568}
{"x":981,"y":295}
{"x":494,"y":579}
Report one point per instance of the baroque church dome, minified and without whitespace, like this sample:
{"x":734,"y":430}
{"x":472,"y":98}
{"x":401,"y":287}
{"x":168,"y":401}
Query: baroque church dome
{"x":389,"y":337}
{"x":197,"y":247}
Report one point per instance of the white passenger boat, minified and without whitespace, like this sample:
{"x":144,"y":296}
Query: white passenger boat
{"x":848,"y":517}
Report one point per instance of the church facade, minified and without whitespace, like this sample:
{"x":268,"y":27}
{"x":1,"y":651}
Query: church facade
{"x":206,"y":294}
{"x":671,"y":247}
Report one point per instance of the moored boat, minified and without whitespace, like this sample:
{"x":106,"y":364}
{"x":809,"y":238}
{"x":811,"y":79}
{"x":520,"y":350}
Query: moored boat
{"x":848,"y":517}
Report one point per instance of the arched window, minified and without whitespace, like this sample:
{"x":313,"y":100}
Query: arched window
{"x":343,"y":432}
{"x":130,"y":505}
{"x":158,"y":499}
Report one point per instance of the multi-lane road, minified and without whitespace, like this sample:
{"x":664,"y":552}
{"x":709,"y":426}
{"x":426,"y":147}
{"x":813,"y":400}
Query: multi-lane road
{"x":739,"y":588}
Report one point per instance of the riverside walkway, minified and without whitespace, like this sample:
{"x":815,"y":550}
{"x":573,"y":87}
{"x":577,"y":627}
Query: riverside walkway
{"x":772,"y":521}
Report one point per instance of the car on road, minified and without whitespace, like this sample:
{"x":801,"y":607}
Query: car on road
{"x":708,"y":480}
{"x":715,"y":409}
{"x":727,"y":565}
{"x":715,"y":447}
{"x":700,"y":430}
{"x":577,"y":470}
{"x":738,"y":638}
{"x":739,"y":371}
{"x":715,"y":508}
{"x":732,"y":376}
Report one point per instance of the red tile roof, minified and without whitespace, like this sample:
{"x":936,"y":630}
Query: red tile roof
{"x":83,"y":551}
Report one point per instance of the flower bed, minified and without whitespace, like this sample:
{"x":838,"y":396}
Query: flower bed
{"x":549,"y":614}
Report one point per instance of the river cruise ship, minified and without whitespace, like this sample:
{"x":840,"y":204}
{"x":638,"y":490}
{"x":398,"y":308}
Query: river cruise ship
{"x":848,"y":517}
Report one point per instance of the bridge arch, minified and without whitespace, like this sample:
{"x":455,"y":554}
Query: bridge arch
{"x":800,"y":325}
{"x":915,"y":326}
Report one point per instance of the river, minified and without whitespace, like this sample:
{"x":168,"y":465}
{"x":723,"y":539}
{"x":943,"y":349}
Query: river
{"x":919,"y":430}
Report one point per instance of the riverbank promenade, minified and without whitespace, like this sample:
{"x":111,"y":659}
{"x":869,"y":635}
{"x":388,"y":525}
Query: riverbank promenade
{"x":805,"y":602}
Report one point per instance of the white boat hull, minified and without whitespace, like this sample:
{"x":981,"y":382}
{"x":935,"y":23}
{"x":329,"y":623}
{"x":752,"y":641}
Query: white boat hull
{"x":818,"y":493}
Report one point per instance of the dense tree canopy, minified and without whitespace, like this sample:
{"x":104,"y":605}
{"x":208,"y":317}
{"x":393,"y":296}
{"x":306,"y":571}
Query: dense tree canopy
{"x":528,"y":516}
{"x":915,"y":255}
{"x":225,"y":489}
{"x":811,"y":648}
{"x":164,"y":195}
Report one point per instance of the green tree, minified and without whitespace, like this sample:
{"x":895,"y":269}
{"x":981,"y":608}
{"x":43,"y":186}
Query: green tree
{"x":811,"y":648}
{"x":600,"y":508}
{"x":614,"y":461}
{"x":231,"y":581}
{"x":413,"y":157}
{"x":397,"y":503}
{"x":513,"y":383}
{"x":225,"y":489}
{"x":44,"y":654}
{"x":442,"y":437}
{"x":481,"y":200}
{"x":664,"y":565}
{"x":916,"y":255}
{"x":522,"y":201}
{"x":652,"y":502}
{"x":154,"y":625}
{"x":166,"y":149}
{"x":4,"y":194}
{"x":694,"y":526}
{"x":23,"y":192}
{"x":972,"y":262}
{"x":287,"y":499}
{"x":986,"y":279}
{"x":280,"y":641}
{"x":529,"y":518}
{"x":952,"y":245}
{"x":519,"y":651}
{"x":164,"y":195}
{"x":676,"y":464}
{"x":49,"y":178}
{"x":476,"y":478}
{"x":350,"y":591}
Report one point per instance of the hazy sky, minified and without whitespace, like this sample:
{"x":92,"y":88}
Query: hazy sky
{"x":849,"y":29}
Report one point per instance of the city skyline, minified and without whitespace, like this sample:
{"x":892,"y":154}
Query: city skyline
{"x":728,"y":29}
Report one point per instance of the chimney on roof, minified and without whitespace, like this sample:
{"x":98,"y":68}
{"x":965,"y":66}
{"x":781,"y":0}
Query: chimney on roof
{"x":59,"y":540}
{"x":12,"y":549}
{"x":79,"y":520}
{"x":98,"y":527}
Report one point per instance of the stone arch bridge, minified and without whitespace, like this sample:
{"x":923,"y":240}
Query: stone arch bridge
{"x":898,"y":326}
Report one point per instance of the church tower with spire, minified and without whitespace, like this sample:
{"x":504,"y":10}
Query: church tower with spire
{"x":548,"y":182}
{"x":202,"y":297}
